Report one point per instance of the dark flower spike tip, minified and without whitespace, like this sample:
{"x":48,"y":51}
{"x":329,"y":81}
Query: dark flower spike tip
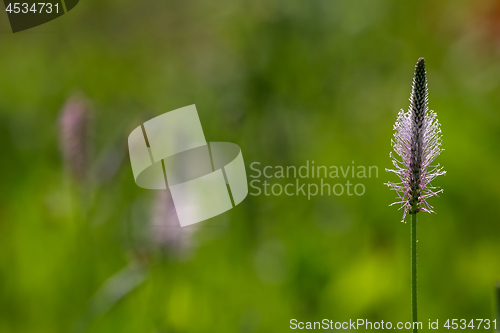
{"x":417,"y":142}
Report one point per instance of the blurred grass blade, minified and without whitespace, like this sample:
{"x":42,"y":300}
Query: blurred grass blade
{"x":113,"y":290}
{"x":497,"y":294}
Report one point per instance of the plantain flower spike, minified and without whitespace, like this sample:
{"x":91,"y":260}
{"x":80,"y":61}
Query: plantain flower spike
{"x":416,"y":143}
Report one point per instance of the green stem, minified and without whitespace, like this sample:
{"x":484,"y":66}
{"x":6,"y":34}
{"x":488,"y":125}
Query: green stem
{"x":414,"y":271}
{"x":497,"y":289}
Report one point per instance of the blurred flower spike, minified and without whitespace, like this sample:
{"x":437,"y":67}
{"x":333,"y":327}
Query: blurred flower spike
{"x":74,"y":126}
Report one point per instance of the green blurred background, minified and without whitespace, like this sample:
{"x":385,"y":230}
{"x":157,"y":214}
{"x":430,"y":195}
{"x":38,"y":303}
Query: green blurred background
{"x":288,"y":81}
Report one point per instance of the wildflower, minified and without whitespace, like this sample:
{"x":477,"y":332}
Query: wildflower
{"x":166,"y":231}
{"x":417,"y":142}
{"x":74,"y":136}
